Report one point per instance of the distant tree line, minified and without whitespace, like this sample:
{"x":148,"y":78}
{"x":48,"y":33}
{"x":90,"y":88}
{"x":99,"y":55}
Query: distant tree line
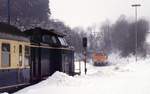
{"x":119,"y":36}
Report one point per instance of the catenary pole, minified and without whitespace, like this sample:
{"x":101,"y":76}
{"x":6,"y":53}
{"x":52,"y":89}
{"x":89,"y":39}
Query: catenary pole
{"x":136,"y":30}
{"x":8,"y":11}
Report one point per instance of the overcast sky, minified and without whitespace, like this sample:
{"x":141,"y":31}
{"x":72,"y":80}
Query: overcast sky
{"x":86,"y":12}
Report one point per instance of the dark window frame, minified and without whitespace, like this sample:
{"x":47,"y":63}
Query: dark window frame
{"x":20,"y":55}
{"x":6,"y":51}
{"x":27,"y":55}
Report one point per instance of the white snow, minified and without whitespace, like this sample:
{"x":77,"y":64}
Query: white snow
{"x":123,"y":76}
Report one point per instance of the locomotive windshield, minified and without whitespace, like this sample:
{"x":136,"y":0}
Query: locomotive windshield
{"x":62,"y":41}
{"x":49,"y":39}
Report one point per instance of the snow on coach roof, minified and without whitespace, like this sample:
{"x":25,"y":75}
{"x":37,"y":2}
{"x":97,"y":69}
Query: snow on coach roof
{"x":11,"y":32}
{"x":43,"y":32}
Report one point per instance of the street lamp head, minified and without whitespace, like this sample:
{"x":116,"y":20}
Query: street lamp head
{"x":136,"y":5}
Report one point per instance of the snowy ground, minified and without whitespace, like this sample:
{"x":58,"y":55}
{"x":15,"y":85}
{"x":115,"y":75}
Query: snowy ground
{"x":124,"y":76}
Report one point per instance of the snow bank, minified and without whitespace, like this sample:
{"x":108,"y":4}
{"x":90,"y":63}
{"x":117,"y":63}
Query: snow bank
{"x":4,"y":93}
{"x":58,"y":83}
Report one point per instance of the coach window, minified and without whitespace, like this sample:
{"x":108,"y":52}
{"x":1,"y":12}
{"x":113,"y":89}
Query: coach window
{"x":5,"y":55}
{"x":20,"y":55}
{"x":27,"y":55}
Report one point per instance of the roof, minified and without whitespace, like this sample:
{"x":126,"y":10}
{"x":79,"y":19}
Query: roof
{"x":39,"y":30}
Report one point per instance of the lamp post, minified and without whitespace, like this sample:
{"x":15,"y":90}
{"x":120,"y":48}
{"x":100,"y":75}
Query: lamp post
{"x":136,"y":31}
{"x":8,"y":11}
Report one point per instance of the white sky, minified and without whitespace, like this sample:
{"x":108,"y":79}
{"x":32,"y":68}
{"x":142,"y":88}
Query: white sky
{"x":86,"y":12}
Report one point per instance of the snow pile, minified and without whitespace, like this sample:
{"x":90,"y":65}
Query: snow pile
{"x":58,"y":83}
{"x":60,"y":79}
{"x":4,"y":93}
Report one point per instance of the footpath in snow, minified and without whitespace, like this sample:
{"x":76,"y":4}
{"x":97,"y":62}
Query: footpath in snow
{"x":124,"y":76}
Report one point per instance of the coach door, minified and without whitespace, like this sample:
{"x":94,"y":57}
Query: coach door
{"x":35,"y":61}
{"x":65,"y":63}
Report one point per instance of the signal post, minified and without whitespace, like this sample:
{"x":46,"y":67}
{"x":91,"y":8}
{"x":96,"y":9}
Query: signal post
{"x":84,"y":41}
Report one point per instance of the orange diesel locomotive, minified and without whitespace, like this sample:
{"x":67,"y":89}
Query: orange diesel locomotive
{"x":100,"y":59}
